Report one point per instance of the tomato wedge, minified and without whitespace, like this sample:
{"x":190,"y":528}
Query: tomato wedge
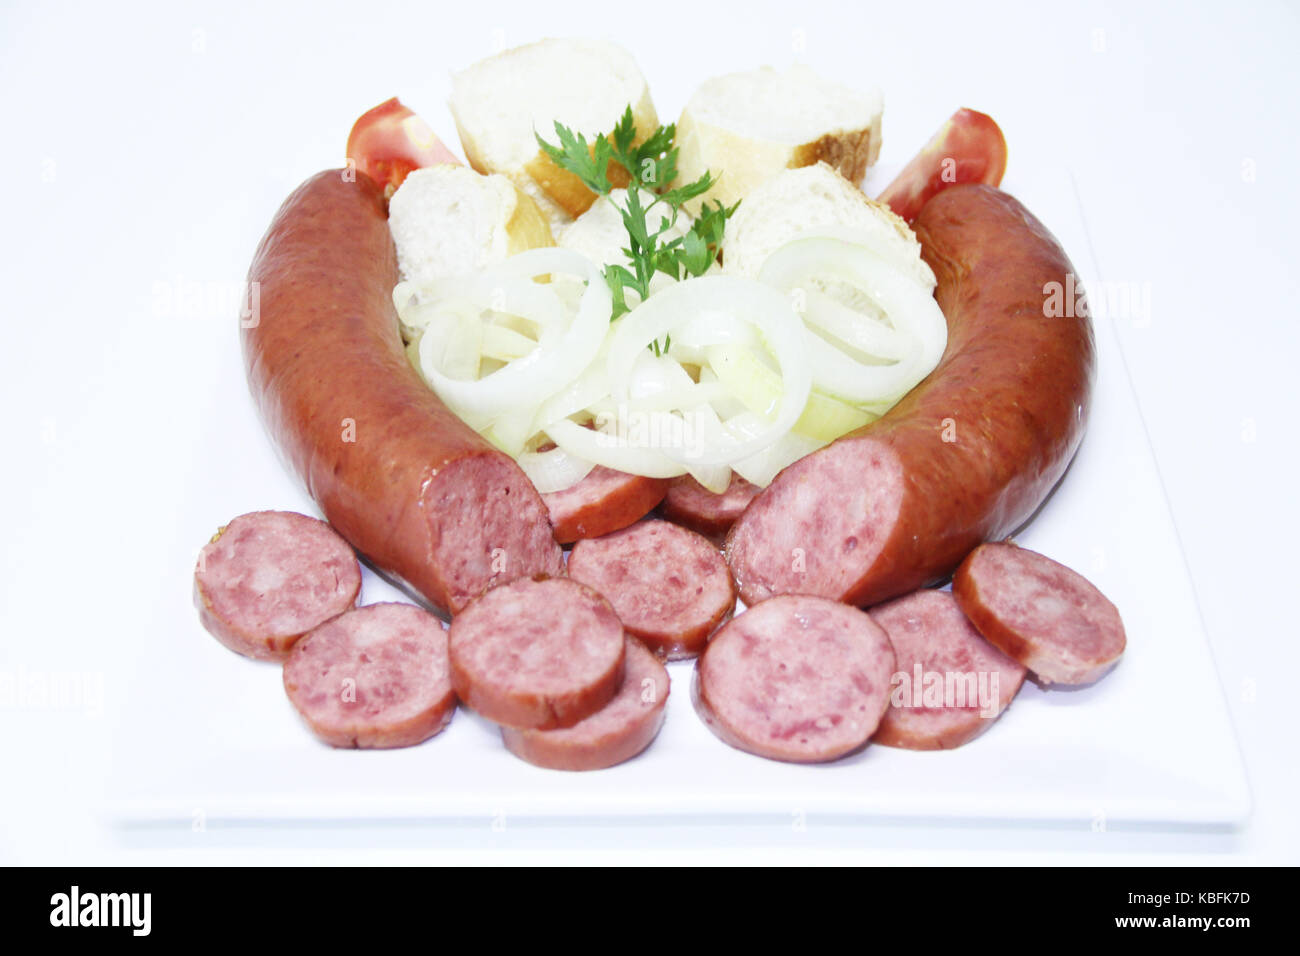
{"x":389,"y":141}
{"x":969,"y":148}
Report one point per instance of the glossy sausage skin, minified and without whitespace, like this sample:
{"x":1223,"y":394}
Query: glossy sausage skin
{"x":395,"y":472}
{"x":966,"y":456}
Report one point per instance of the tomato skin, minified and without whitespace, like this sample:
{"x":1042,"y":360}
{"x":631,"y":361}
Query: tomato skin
{"x":390,"y":141}
{"x":968,"y":148}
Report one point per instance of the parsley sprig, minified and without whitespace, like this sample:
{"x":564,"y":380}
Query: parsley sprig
{"x":651,"y":165}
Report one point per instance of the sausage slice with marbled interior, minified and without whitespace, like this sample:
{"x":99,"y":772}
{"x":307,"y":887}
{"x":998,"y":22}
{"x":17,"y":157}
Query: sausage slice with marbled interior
{"x":1049,"y":618}
{"x":375,"y":677}
{"x":669,"y":586}
{"x":269,"y":577}
{"x":616,"y":733}
{"x":951,"y":684}
{"x":795,"y":678}
{"x":537,"y":653}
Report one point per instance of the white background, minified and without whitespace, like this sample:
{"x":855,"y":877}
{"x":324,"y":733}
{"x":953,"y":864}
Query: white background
{"x":146,"y":148}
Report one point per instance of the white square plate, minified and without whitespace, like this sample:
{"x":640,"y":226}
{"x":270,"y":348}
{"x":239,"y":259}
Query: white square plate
{"x":206,"y":732}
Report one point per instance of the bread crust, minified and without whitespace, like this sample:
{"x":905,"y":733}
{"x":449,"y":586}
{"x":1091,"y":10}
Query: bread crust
{"x":850,"y":152}
{"x":742,"y":164}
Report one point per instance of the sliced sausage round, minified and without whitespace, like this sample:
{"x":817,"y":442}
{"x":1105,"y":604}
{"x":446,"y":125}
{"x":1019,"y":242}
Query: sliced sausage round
{"x":795,"y":678}
{"x":606,"y":500}
{"x":617,"y":732}
{"x":690,"y":504}
{"x":951,"y":684}
{"x":375,"y":677}
{"x":269,"y":577}
{"x":670,"y":587}
{"x":1041,"y":613}
{"x":540,"y":653}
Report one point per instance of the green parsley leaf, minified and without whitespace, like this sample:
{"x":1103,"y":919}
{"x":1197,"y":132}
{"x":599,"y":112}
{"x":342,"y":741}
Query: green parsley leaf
{"x":696,"y":255}
{"x":651,"y":165}
{"x":682,"y":194}
{"x":590,"y":163}
{"x":623,"y":137}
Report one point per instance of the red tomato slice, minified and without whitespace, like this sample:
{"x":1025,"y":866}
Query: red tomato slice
{"x":389,"y":141}
{"x":969,"y":148}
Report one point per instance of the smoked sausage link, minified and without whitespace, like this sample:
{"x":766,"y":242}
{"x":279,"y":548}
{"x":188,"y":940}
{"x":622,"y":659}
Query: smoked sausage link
{"x":409,"y":484}
{"x":967,"y":455}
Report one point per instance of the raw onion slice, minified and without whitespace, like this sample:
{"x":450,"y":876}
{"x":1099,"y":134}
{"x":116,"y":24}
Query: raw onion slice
{"x":563,"y":353}
{"x":778,"y":327}
{"x":612,"y":450}
{"x":510,"y":432}
{"x":505,"y":344}
{"x":843,"y":377}
{"x":910,"y":309}
{"x":762,"y":467}
{"x":554,"y":470}
{"x":659,"y":386}
{"x":418,"y":307}
{"x":744,"y":374}
{"x":864,"y":333}
{"x":582,"y":394}
{"x":758,"y":388}
{"x":901,"y":257}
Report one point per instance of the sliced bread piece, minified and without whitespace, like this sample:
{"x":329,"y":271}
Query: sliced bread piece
{"x":747,"y":127}
{"x":500,"y":103}
{"x":815,"y":199}
{"x":449,"y":220}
